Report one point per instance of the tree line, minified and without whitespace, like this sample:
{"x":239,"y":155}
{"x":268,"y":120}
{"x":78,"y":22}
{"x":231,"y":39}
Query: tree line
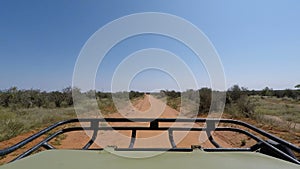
{"x":237,"y":98}
{"x":16,"y":98}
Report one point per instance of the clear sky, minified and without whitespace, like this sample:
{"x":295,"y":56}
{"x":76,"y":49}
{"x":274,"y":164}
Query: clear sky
{"x":258,"y":41}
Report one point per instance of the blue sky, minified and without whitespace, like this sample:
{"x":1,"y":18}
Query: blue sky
{"x":258,"y":41}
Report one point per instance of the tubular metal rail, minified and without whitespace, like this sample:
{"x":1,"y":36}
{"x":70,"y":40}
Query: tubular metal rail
{"x":274,"y":146}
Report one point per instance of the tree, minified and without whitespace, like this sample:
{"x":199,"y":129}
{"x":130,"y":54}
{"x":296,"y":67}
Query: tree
{"x":205,"y":100}
{"x":267,"y":92}
{"x":298,"y":91}
{"x":5,"y":99}
{"x":13,"y":94}
{"x":103,"y":95}
{"x":172,"y":94}
{"x":67,"y":94}
{"x":235,"y":93}
{"x":40,"y":99}
{"x":290,"y":93}
{"x":57,"y":97}
{"x":135,"y":94}
{"x":91,"y":94}
{"x":25,"y":99}
{"x":279,"y":93}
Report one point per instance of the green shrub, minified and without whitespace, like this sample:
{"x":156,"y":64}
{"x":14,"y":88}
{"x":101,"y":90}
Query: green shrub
{"x":245,"y":106}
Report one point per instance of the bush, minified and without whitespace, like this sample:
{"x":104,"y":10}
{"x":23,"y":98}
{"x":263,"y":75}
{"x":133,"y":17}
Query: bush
{"x":135,"y":94}
{"x":205,"y":100}
{"x":245,"y":107}
{"x":234,"y":93}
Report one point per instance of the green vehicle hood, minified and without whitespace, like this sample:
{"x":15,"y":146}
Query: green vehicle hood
{"x":80,"y":159}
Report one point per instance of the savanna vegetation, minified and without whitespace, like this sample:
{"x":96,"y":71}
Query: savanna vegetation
{"x":24,"y":110}
{"x":277,"y":108}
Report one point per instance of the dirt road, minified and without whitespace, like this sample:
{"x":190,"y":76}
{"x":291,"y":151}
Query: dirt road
{"x":150,"y":107}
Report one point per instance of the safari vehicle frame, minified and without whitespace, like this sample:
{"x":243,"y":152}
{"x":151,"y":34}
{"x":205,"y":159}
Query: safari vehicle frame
{"x":266,"y":143}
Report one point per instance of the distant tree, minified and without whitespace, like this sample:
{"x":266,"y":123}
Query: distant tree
{"x":67,"y":95}
{"x":13,"y":95}
{"x":103,"y":95}
{"x":234,"y":93}
{"x":91,"y":94}
{"x":5,"y":98}
{"x":40,"y":99}
{"x":290,"y":93}
{"x":244,"y":89}
{"x":279,"y":93}
{"x":298,"y":91}
{"x":191,"y":94}
{"x":267,"y":92}
{"x":25,"y":99}
{"x":76,"y":95}
{"x":32,"y":97}
{"x":252,"y":92}
{"x":57,"y":97}
{"x":205,"y":100}
{"x":172,"y":94}
{"x":135,"y":94}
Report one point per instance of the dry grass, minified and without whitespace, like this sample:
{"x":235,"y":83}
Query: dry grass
{"x":286,"y":109}
{"x":13,"y":123}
